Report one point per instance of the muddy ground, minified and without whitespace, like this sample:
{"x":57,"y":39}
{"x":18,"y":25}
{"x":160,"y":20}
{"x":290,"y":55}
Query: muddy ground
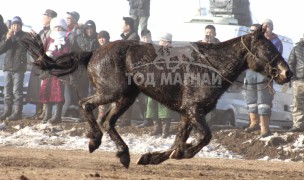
{"x":24,"y":163}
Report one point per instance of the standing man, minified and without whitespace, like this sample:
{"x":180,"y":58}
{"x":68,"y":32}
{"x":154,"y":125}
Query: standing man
{"x":14,"y":67}
{"x":70,"y":91}
{"x":259,"y":99}
{"x":103,"y":38}
{"x":34,"y":81}
{"x":296,"y":63}
{"x":86,"y":41}
{"x":128,"y":33}
{"x":161,"y":115}
{"x":140,"y":12}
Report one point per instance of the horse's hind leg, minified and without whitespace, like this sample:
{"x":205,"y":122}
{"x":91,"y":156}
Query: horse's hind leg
{"x":184,"y":130}
{"x":117,"y":109}
{"x":87,"y":106}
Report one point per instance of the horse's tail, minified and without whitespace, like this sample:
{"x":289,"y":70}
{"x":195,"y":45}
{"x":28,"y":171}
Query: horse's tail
{"x":62,"y":65}
{"x":69,"y":63}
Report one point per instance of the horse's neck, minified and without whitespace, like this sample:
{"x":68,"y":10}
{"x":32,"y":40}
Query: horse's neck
{"x":230,"y":61}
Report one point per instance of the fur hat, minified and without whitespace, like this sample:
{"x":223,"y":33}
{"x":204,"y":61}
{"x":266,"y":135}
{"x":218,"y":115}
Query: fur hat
{"x":166,"y":37}
{"x":17,"y":20}
{"x":59,"y":22}
{"x":75,"y":15}
{"x":103,"y":34}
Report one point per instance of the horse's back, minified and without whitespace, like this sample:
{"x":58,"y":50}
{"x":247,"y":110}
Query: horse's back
{"x":107,"y":68}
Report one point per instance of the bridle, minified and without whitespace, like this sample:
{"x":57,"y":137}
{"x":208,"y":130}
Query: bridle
{"x":272,"y":71}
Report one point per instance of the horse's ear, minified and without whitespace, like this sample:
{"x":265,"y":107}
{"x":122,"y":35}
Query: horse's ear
{"x":259,"y":32}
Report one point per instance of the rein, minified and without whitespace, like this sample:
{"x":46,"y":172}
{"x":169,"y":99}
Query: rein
{"x":272,"y":71}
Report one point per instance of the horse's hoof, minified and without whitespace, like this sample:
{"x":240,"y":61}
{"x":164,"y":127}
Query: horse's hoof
{"x":176,"y":154}
{"x":124,"y":157}
{"x":144,"y":159}
{"x":94,"y":144}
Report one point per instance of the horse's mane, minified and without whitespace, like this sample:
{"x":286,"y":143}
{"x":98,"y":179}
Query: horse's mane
{"x":218,"y":45}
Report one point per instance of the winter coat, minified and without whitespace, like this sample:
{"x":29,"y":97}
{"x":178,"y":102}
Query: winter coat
{"x":296,"y":61}
{"x":139,"y":7}
{"x":16,"y":55}
{"x":3,"y":28}
{"x":87,"y":44}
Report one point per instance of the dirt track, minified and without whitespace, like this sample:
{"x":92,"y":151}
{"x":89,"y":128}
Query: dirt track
{"x":22,"y":163}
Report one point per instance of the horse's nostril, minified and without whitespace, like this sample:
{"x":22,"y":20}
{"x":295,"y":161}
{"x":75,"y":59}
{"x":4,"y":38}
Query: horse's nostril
{"x":288,"y":74}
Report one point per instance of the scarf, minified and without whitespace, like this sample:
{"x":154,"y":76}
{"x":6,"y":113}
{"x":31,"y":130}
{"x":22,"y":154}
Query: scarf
{"x":59,"y":40}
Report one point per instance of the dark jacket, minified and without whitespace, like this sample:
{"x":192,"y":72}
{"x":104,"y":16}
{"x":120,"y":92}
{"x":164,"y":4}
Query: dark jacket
{"x":131,"y":36}
{"x":16,"y":55}
{"x":139,"y":7}
{"x":3,"y":27}
{"x":86,"y":43}
{"x":296,"y":61}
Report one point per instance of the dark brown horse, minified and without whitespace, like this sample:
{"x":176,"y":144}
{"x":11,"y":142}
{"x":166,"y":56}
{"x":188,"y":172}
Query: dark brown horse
{"x":189,"y":80}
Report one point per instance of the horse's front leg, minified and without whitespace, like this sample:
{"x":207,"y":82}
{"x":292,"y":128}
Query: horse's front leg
{"x":117,"y":109}
{"x":184,"y":130}
{"x":95,"y":134}
{"x":189,"y":150}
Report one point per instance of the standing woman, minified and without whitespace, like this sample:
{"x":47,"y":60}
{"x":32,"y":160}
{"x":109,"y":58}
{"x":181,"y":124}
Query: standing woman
{"x":52,"y":89}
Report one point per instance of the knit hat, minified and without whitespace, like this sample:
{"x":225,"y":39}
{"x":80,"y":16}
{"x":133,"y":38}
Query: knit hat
{"x":103,"y":34}
{"x":59,"y":22}
{"x":50,"y":13}
{"x":74,"y":14}
{"x":166,"y":37}
{"x":268,"y":22}
{"x":17,"y":20}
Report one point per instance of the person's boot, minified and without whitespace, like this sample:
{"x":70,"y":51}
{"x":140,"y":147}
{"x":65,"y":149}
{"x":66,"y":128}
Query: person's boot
{"x":166,"y":125}
{"x":7,"y":111}
{"x":158,"y":128}
{"x":57,"y":116}
{"x":41,"y":116}
{"x":254,"y":123}
{"x":48,"y":108}
{"x":38,"y":112}
{"x":147,"y":122}
{"x":265,"y":130}
{"x":17,"y":114}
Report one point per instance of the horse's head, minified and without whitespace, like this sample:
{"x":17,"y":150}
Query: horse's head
{"x":263,"y":57}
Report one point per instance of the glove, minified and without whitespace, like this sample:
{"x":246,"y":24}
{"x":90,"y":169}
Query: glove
{"x":44,"y":75}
